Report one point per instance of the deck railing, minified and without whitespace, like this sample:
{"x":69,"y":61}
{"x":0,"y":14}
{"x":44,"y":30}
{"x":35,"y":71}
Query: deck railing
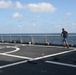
{"x":33,"y":39}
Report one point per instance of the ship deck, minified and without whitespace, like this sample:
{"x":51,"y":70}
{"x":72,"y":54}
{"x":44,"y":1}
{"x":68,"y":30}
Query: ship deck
{"x":27,"y":59}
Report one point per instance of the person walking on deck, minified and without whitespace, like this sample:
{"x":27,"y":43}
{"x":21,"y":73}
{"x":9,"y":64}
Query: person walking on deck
{"x":64,"y":35}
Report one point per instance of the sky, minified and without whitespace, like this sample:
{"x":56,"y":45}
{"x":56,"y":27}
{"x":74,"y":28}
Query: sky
{"x":37,"y":16}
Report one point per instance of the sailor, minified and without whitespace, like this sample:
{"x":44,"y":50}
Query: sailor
{"x":64,"y":34}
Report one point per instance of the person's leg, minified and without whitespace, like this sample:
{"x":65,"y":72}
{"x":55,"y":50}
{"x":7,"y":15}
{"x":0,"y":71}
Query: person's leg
{"x":66,"y":43}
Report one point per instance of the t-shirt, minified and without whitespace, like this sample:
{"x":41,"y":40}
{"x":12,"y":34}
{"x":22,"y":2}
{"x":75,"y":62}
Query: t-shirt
{"x":65,"y":34}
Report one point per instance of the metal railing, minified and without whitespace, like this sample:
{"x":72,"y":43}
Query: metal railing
{"x":33,"y":39}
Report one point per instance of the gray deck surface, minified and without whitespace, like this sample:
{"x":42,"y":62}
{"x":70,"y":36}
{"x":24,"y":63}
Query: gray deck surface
{"x":22,"y":59}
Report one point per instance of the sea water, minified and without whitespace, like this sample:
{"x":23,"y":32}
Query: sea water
{"x":54,"y":38}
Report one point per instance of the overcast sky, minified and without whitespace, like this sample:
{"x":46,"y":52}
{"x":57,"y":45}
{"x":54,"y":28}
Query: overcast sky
{"x":37,"y":16}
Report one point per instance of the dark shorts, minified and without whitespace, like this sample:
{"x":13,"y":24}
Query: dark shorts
{"x":64,"y":40}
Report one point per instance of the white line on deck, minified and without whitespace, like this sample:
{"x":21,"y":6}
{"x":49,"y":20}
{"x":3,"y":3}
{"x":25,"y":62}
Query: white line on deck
{"x":16,"y":56}
{"x":13,"y":64}
{"x":17,"y":49}
{"x":64,"y":52}
{"x":62,"y":64}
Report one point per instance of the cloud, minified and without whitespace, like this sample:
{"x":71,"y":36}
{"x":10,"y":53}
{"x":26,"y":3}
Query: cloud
{"x":17,"y":15}
{"x":38,"y":16}
{"x":19,"y":5}
{"x":36,"y":7}
{"x":33,"y":7}
{"x":5,"y":4}
{"x":41,"y":7}
{"x":68,"y":14}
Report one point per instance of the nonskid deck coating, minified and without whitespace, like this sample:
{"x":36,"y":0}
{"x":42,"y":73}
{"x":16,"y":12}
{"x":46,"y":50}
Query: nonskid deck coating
{"x":40,"y":67}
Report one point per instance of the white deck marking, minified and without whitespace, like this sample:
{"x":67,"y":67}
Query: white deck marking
{"x":8,"y":65}
{"x":64,"y":52}
{"x":15,"y":56}
{"x":62,"y":64}
{"x":17,"y":49}
{"x":13,"y":64}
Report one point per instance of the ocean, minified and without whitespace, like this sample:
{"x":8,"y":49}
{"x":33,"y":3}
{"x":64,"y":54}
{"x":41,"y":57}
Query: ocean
{"x":52,"y":38}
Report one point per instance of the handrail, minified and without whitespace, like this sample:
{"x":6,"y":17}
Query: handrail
{"x":55,"y":39}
